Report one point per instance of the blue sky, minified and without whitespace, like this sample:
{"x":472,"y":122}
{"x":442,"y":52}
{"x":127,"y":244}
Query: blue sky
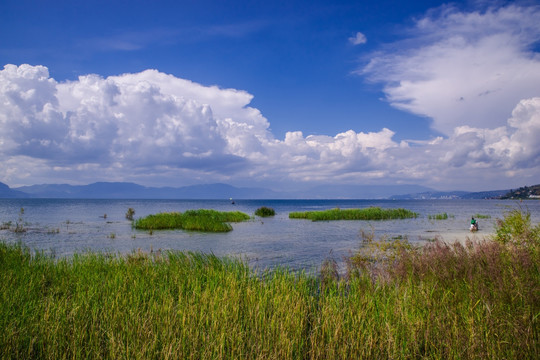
{"x":279,"y":94}
{"x":293,"y":56}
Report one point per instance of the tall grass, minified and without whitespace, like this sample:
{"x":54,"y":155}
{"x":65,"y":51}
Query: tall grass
{"x":516,"y":228}
{"x":174,"y":305}
{"x":194,"y":220}
{"x":450,"y":302}
{"x":396,"y":301}
{"x":371,"y":213}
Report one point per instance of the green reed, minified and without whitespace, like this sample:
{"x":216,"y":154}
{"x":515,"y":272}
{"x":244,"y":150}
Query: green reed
{"x":194,"y":220}
{"x":441,"y":216}
{"x":371,"y":213}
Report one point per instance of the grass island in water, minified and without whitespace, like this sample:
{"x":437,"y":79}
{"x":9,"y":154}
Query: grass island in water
{"x":264,"y":211}
{"x":371,"y":213}
{"x":194,"y":220}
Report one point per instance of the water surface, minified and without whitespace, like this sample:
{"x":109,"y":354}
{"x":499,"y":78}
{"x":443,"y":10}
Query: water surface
{"x":66,"y":226}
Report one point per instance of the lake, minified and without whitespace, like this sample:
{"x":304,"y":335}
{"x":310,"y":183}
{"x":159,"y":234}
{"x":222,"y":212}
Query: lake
{"x":66,"y":226}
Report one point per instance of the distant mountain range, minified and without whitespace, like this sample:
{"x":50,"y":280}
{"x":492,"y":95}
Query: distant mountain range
{"x":125,"y":190}
{"x":7,"y":193}
{"x":122,"y":190}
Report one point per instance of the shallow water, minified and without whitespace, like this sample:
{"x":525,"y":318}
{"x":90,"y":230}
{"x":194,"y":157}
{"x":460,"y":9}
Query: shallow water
{"x":65,"y":227}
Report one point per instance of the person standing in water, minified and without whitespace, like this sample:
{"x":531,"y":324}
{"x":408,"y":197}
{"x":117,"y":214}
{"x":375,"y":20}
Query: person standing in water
{"x":474,"y":224}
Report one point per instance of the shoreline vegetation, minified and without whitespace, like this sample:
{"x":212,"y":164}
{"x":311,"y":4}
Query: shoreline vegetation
{"x":396,"y":300}
{"x":371,"y":213}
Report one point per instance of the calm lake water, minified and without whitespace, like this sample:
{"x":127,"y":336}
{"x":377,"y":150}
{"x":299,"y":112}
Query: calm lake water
{"x":65,"y":227}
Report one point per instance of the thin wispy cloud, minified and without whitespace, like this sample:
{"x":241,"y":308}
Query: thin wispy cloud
{"x":130,"y":40}
{"x":460,"y":68}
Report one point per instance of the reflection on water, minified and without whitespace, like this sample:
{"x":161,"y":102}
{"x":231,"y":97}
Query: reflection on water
{"x":69,"y":226}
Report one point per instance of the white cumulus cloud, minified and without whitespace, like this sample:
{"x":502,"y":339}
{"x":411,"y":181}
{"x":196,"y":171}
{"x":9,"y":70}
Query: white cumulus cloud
{"x":157,"y":129}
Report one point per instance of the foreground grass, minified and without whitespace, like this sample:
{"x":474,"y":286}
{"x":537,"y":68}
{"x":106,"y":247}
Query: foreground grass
{"x":371,"y":213}
{"x":194,"y":220}
{"x":439,"y":302}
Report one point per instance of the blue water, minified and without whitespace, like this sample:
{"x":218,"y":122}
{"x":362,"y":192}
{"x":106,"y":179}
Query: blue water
{"x":65,"y":227}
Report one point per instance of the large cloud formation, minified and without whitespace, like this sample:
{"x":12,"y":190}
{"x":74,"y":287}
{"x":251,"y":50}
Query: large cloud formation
{"x":462,"y":68}
{"x":158,"y":129}
{"x":152,"y":123}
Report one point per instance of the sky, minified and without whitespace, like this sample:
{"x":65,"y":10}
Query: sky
{"x":279,"y":94}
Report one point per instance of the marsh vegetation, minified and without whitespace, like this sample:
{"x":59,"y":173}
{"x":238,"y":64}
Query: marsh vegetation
{"x":130,"y":213}
{"x":264,"y":211}
{"x":395,"y":300}
{"x":371,"y":213}
{"x":194,"y":220}
{"x":20,"y":224}
{"x":441,"y":216}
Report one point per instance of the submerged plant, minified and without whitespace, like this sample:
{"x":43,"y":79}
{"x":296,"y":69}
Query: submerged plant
{"x":19,"y":225}
{"x":129,"y":214}
{"x":53,"y":231}
{"x":6,"y":225}
{"x":442,"y":216}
